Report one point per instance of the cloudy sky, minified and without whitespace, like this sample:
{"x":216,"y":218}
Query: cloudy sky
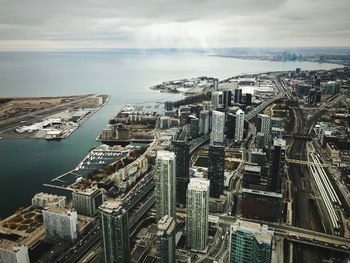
{"x":37,"y":24}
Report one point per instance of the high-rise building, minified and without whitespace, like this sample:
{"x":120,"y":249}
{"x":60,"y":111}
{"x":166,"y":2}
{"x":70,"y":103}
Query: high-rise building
{"x":266,"y":128}
{"x":250,"y":243}
{"x":278,"y":157}
{"x":11,"y":252}
{"x":276,"y":133}
{"x":216,"y":170}
{"x":165,"y":184}
{"x":276,"y":122}
{"x":44,"y":200}
{"x":239,"y":128}
{"x":238,"y":95}
{"x":203,"y":122}
{"x":182,"y":153}
{"x":230,"y":126}
{"x":60,"y":224}
{"x":260,"y":140}
{"x":194,"y":127}
{"x":218,"y":127}
{"x":86,"y":201}
{"x":197,"y":213}
{"x":215,"y":84}
{"x":166,"y":246}
{"x":252,"y":177}
{"x":215,"y":99}
{"x":258,"y":157}
{"x":248,"y":99}
{"x":226,"y":99}
{"x":115,"y":233}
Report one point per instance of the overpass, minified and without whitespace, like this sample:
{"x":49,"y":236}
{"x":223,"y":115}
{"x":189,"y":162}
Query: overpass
{"x":300,"y":235}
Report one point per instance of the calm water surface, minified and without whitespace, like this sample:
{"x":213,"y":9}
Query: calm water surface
{"x":126,"y":75}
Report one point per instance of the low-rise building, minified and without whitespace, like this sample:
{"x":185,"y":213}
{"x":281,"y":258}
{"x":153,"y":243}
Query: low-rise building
{"x":60,"y":224}
{"x":45,"y":200}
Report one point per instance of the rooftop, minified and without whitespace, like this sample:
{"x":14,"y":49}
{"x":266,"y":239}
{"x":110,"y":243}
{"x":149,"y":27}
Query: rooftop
{"x":199,"y":184}
{"x":261,"y":232}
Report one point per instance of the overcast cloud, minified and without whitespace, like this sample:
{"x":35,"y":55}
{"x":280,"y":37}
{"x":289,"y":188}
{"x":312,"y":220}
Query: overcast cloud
{"x":164,"y":23}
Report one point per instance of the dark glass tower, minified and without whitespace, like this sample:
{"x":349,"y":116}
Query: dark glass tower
{"x":216,"y":169}
{"x":182,"y":153}
{"x":115,"y":233}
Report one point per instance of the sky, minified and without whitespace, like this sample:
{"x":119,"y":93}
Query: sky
{"x":48,"y":24}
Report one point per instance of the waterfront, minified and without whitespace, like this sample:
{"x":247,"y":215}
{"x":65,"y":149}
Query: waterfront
{"x":127,"y":75}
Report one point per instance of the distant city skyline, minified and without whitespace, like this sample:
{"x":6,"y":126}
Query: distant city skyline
{"x":169,"y":24}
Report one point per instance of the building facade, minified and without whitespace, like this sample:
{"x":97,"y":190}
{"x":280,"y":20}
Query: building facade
{"x":115,"y":233}
{"x":218,"y":127}
{"x":60,"y":224}
{"x":216,"y":170}
{"x":182,"y":156}
{"x":13,"y":253}
{"x":87,"y":201}
{"x":165,"y":184}
{"x":166,"y":246}
{"x":239,"y":128}
{"x":250,"y":243}
{"x":204,"y":122}
{"x":197,"y":214}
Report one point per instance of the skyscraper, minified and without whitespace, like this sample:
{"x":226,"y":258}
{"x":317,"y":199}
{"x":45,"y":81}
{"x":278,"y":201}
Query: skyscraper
{"x":166,"y":240}
{"x":239,"y":129}
{"x":226,"y":99}
{"x":165,"y":184}
{"x":193,"y":127}
{"x":197,"y":213}
{"x":218,"y":127}
{"x":216,"y":170}
{"x":204,"y":122}
{"x":238,"y":95}
{"x":215,"y":99}
{"x":182,"y":153}
{"x":230,"y":126}
{"x":215,"y":84}
{"x":278,"y":157}
{"x":250,"y":243}
{"x":115,"y":233}
{"x":266,"y":128}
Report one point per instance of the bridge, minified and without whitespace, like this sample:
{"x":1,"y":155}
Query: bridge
{"x":302,"y":162}
{"x":299,"y":235}
{"x":298,"y":136}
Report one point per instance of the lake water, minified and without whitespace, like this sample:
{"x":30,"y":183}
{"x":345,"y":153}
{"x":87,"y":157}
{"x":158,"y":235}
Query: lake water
{"x":124,"y":74}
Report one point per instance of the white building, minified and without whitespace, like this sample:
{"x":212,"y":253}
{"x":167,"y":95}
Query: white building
{"x":197,"y":214}
{"x":60,"y":224}
{"x":165,"y":184}
{"x":218,"y":127}
{"x":215,"y":99}
{"x":204,"y":122}
{"x":239,"y":125}
{"x":11,"y":252}
{"x":45,"y":200}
